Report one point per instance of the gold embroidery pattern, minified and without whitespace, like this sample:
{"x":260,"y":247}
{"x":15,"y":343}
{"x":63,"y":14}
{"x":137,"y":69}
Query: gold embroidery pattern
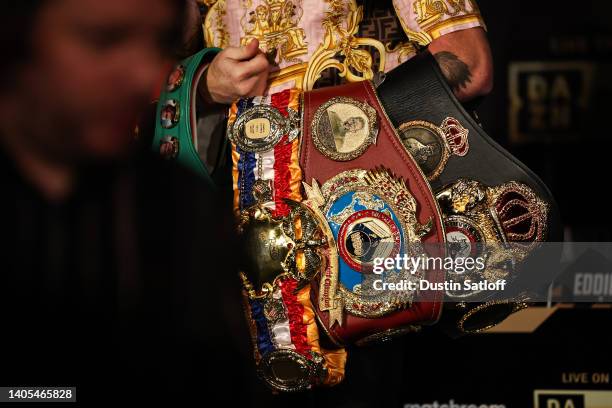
{"x":421,"y":38}
{"x":341,"y":48}
{"x":275,"y":24}
{"x":429,"y":12}
{"x":403,"y":50}
{"x":215,"y":32}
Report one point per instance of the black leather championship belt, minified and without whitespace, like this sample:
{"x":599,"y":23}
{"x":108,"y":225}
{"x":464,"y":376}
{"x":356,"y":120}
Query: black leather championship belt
{"x":330,"y":181}
{"x":489,"y":199}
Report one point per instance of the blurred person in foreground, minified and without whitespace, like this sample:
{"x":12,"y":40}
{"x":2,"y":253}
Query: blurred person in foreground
{"x":117,"y":272}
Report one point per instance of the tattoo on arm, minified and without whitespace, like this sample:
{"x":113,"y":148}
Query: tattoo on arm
{"x":456,"y":72}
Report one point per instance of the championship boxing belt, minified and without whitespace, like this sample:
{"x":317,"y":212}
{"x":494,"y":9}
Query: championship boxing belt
{"x":286,"y":244}
{"x":488,"y":197}
{"x":378,"y":204}
{"x":174,"y":137}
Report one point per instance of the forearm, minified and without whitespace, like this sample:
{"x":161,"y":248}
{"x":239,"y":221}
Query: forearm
{"x":465,"y":60}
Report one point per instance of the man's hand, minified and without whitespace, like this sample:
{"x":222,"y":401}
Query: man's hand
{"x":236,"y":72}
{"x":465,"y":60}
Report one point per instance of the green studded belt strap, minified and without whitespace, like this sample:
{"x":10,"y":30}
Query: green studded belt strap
{"x":175,"y":115}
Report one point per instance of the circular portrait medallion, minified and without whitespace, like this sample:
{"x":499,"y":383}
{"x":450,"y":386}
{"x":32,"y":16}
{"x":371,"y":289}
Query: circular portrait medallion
{"x":343,"y":128}
{"x":427,"y":145}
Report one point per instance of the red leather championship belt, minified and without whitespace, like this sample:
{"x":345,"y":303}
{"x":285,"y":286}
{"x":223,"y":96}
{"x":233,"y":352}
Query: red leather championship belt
{"x":378,"y":204}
